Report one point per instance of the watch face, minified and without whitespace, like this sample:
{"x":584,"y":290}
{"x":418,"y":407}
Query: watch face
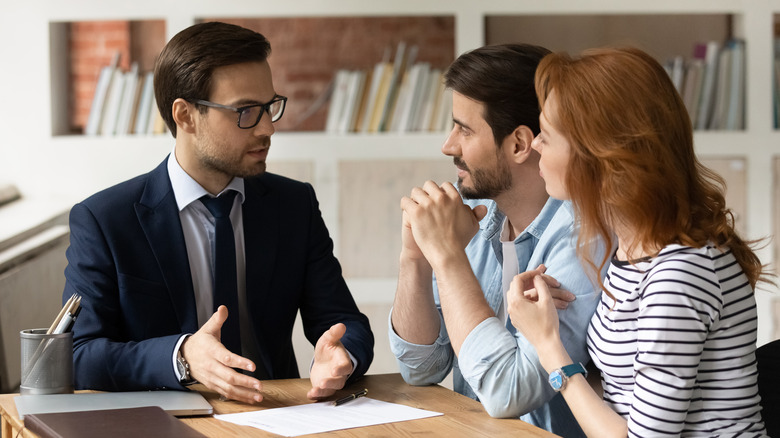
{"x":556,"y":380}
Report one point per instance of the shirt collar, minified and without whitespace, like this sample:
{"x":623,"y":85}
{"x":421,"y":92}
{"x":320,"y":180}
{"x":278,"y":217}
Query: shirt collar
{"x":186,"y":190}
{"x":494,"y":220}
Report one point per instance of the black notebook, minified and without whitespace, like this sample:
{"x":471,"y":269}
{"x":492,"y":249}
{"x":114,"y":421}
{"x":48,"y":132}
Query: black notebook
{"x":150,"y":421}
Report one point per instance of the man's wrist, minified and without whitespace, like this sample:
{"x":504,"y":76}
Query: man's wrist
{"x":180,"y":365}
{"x":352,"y":359}
{"x":412,"y":258}
{"x":444,"y":261}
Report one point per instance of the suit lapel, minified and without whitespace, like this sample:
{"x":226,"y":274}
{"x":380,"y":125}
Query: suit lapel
{"x":158,"y":215}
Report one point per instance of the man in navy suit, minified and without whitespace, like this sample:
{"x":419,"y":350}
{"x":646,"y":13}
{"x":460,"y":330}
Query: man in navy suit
{"x":142,"y":253}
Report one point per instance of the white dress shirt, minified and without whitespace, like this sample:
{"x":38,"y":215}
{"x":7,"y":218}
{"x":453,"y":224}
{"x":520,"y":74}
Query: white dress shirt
{"x":198,"y":226}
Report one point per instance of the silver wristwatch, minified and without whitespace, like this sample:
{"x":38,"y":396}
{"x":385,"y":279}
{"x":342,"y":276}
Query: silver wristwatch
{"x":184,"y":369}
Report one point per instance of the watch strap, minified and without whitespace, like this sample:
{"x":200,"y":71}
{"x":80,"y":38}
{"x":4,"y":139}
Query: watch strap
{"x":575,"y":368}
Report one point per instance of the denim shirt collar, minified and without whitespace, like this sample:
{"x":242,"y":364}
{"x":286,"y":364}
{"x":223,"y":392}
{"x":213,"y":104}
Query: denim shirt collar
{"x":491,"y":224}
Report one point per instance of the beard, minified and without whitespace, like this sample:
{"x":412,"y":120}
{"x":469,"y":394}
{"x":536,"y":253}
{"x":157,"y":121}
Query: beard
{"x":233,"y":168}
{"x":218,"y":157}
{"x":487,"y":183}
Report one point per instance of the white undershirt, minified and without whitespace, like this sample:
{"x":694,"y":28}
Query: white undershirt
{"x":509,"y":267}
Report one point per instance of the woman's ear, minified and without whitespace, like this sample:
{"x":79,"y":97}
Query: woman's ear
{"x":184,"y":116}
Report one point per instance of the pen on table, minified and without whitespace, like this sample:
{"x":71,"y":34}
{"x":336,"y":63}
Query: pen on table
{"x":350,"y":397}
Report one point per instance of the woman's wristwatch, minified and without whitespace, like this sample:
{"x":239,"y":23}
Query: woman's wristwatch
{"x":559,"y":377}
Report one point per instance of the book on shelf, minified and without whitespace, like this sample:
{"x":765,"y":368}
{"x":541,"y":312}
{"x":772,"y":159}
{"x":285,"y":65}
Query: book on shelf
{"x":676,"y":70}
{"x":692,"y":86}
{"x":444,"y":120}
{"x":128,"y":102}
{"x":124,"y":103}
{"x":409,"y":102}
{"x":403,"y":59}
{"x":105,"y":78}
{"x":404,"y":100}
{"x":706,"y":104}
{"x":735,"y":111}
{"x":713,"y":84}
{"x":377,"y":75}
{"x":380,"y":101}
{"x":337,"y":100}
{"x":365,"y":100}
{"x":429,"y":102}
{"x":354,"y":95}
{"x":721,"y":91}
{"x":139,"y":83}
{"x":145,"y":105}
{"x":113,"y":101}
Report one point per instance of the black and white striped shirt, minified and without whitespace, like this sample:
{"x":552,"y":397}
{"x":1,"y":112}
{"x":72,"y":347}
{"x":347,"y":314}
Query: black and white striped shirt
{"x":677,"y":349}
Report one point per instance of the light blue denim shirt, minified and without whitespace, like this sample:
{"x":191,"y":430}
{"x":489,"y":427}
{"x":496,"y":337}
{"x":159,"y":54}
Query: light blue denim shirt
{"x":497,"y":365}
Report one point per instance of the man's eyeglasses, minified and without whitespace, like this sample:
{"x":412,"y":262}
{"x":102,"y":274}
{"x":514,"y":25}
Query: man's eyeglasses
{"x":249,"y":116}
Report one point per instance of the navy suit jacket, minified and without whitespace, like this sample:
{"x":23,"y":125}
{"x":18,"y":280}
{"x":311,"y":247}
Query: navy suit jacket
{"x":128,"y":260}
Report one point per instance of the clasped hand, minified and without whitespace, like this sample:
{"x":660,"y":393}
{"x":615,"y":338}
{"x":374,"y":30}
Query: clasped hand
{"x":436,"y":222}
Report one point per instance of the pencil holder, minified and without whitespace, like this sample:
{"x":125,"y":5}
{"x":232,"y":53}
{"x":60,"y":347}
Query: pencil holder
{"x":47,"y":362}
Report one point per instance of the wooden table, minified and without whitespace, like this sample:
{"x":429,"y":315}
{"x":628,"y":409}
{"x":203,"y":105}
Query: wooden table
{"x":463,"y":417}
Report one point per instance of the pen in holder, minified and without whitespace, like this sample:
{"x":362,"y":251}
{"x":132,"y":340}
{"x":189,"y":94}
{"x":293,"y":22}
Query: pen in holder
{"x":47,"y":355}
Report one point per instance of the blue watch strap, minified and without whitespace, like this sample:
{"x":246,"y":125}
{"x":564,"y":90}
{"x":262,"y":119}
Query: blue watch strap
{"x":575,"y":368}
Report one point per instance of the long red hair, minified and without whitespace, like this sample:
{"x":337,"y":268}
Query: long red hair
{"x":632,"y":160}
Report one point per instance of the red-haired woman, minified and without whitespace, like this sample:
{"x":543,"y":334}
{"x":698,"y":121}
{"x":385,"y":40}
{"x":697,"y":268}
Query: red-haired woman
{"x":675,"y":333}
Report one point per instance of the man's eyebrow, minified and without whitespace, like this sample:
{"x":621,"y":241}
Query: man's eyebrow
{"x":460,"y":123}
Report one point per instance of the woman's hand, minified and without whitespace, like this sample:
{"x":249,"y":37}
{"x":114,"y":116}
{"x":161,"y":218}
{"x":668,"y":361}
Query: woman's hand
{"x":532,"y":309}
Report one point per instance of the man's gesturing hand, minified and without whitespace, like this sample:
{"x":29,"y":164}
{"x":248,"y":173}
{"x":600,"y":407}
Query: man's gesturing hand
{"x":212,"y":364}
{"x":332,"y":365}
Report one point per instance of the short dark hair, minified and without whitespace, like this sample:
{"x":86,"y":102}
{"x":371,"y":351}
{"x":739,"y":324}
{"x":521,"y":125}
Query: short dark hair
{"x":502,"y":78}
{"x":184,"y":67}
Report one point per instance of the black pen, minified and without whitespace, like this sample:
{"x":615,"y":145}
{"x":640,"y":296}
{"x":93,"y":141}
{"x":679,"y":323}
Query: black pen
{"x":350,"y":397}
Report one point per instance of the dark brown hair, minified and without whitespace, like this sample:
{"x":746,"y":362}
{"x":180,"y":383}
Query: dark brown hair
{"x":184,"y":67}
{"x":502,"y":78}
{"x":632,"y":160}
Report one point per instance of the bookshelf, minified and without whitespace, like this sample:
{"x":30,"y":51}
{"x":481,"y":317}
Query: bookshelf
{"x":72,"y":166}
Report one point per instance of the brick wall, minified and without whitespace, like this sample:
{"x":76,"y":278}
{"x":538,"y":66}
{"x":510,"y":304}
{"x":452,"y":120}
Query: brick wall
{"x":92,"y":45}
{"x":306,"y":52}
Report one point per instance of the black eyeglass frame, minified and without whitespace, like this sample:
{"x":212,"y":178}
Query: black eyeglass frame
{"x":266,"y":107}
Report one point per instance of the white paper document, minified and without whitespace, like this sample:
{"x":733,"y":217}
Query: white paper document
{"x":324,"y":417}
